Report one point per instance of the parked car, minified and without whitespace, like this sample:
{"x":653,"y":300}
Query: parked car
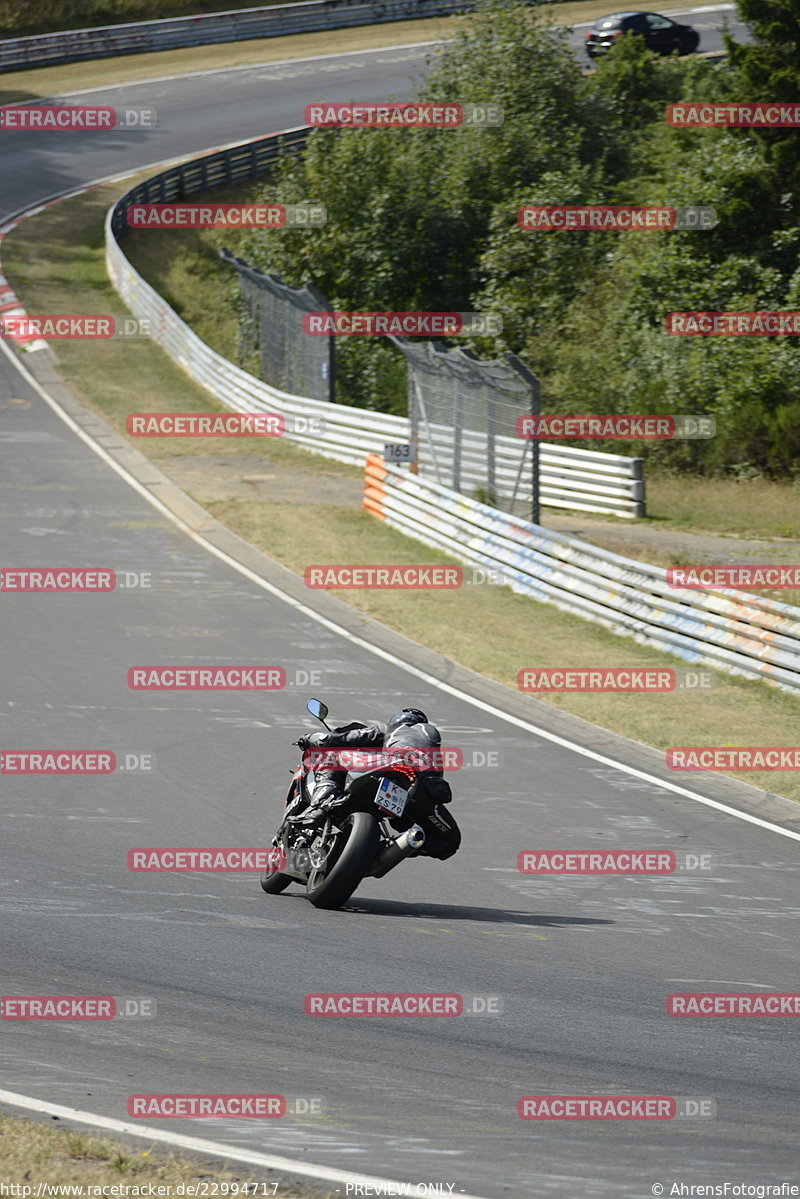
{"x":660,"y":33}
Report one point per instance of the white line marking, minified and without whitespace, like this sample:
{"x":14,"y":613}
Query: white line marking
{"x":200,"y":1144}
{"x":668,"y":12}
{"x":463,"y":696}
{"x":194,"y":1143}
{"x":246,"y":66}
{"x":259,"y":66}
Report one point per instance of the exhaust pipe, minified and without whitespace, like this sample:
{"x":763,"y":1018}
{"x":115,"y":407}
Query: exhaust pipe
{"x":402,"y":847}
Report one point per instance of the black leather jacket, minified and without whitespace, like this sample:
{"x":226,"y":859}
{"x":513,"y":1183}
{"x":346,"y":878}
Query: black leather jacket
{"x":357,"y":735}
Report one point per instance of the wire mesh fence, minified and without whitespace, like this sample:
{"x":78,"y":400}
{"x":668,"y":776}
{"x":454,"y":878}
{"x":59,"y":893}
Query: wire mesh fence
{"x":271,"y":327}
{"x":464,"y":412}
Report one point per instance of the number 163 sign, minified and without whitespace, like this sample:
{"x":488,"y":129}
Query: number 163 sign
{"x":399,"y":451}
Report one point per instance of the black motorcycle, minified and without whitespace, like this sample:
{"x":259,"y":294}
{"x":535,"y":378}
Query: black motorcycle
{"x":363,"y":833}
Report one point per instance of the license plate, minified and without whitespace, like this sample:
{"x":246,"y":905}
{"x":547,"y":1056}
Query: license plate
{"x":391,"y":797}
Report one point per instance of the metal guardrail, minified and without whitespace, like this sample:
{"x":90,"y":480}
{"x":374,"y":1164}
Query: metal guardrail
{"x":587,"y":480}
{"x":734,"y":631}
{"x":579,"y":480}
{"x":171,"y":33}
{"x":249,"y":160}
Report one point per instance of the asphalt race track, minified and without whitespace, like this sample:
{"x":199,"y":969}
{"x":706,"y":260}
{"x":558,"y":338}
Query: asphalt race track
{"x":582,"y":966}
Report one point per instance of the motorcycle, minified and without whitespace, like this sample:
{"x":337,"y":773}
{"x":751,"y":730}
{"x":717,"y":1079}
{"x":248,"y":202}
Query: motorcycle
{"x":332,"y":848}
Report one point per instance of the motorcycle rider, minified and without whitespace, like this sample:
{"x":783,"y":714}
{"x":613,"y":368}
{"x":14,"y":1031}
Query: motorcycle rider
{"x":408,"y":728}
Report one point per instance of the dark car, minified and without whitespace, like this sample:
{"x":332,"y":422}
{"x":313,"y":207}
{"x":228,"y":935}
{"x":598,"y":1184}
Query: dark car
{"x":660,"y":33}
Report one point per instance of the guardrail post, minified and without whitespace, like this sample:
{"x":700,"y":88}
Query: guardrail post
{"x":638,"y":486}
{"x":413,"y":420}
{"x":536,"y":405}
{"x":457,"y":431}
{"x":626,"y":497}
{"x":171,"y":33}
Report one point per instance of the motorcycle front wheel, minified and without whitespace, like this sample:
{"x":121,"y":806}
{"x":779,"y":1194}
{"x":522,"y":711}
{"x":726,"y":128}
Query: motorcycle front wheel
{"x":273,"y":882}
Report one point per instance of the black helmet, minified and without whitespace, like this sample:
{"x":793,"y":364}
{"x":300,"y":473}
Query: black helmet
{"x":406,"y":716}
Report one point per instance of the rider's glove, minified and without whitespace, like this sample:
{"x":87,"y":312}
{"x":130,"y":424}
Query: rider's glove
{"x":311,"y":739}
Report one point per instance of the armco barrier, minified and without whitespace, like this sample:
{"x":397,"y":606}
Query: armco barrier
{"x":170,"y":33}
{"x":588,"y":480}
{"x":734,"y":631}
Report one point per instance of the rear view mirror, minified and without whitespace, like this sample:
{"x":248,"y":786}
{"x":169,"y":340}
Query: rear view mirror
{"x":317,"y":708}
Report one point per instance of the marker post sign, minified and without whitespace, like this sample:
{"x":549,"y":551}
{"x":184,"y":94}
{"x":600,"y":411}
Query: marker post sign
{"x":400,"y":453}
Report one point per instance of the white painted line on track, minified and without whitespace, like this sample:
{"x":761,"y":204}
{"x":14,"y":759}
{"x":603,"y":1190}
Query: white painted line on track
{"x":197,"y":1144}
{"x":386,"y":656}
{"x":246,"y":66}
{"x":268,"y":63}
{"x":201,"y":1145}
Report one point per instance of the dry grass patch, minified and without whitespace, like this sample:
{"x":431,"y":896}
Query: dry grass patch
{"x":497,"y":633}
{"x":52,"y":81}
{"x":733,"y":507}
{"x":32,"y":1153}
{"x":54,"y":261}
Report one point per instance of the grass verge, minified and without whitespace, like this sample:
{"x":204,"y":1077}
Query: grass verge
{"x":33,"y":1153}
{"x":55,"y":262}
{"x":729,"y":507}
{"x":53,"y":81}
{"x":188,"y":272}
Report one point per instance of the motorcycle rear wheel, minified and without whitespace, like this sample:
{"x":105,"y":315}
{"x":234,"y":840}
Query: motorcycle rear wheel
{"x":352,"y":862}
